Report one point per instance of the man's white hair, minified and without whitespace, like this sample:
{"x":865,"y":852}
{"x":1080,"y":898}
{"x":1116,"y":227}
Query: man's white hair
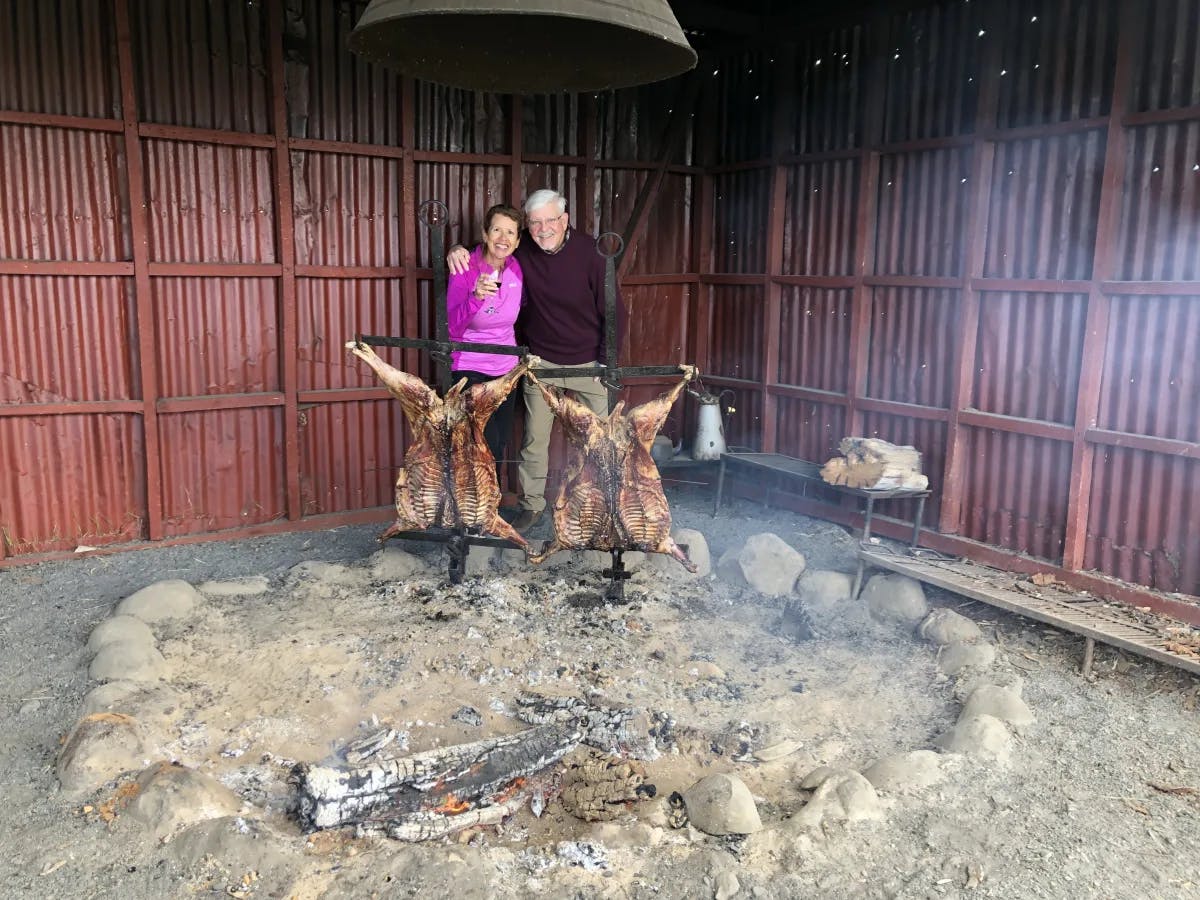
{"x":540,"y":198}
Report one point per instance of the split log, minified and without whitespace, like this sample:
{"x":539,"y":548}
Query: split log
{"x":875,"y":465}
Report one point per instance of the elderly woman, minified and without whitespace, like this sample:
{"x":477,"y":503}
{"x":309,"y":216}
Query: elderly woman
{"x":482,"y":304}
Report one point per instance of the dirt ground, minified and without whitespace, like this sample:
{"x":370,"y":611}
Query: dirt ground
{"x":1101,"y":796}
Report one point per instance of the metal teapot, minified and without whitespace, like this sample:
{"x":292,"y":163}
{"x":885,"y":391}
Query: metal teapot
{"x":710,"y":428}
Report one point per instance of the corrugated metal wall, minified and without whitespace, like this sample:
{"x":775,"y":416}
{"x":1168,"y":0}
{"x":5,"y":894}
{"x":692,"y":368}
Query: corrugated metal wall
{"x":969,"y":227}
{"x":201,"y":201}
{"x":987,"y":250}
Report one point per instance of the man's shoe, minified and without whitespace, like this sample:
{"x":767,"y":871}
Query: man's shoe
{"x":527,"y":519}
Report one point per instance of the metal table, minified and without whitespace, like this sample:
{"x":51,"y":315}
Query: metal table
{"x":804,"y":472}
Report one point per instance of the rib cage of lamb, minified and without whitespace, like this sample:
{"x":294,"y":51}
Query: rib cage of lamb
{"x":448,"y":478}
{"x":611,"y":496}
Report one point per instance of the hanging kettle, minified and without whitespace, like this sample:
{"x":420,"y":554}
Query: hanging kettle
{"x":710,"y":428}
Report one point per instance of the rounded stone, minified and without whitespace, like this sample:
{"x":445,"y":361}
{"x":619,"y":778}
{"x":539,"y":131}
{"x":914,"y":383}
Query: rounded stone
{"x":163,"y":601}
{"x":394,"y":564}
{"x":721,"y":804}
{"x":171,"y":797}
{"x":895,"y":598}
{"x":945,"y":626}
{"x":981,"y":736}
{"x":697,"y":552}
{"x":251,"y":586}
{"x":727,"y":885}
{"x":325,"y":573}
{"x":128,"y":661}
{"x":824,"y":591}
{"x":100,"y":747}
{"x":120,"y":629}
{"x":818,"y":776}
{"x":957,"y":657}
{"x":905,"y":772}
{"x":148,"y":702}
{"x":1003,"y":703}
{"x":729,"y":570}
{"x":770,"y":564}
{"x":845,"y":796}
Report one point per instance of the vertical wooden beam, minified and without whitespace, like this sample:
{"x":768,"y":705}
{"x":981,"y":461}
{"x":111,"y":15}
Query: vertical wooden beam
{"x":962,"y":388}
{"x":410,"y":296}
{"x":139,"y":228}
{"x":874,"y":77}
{"x":1095,"y":339}
{"x":782,"y":124}
{"x":702,"y":252}
{"x":677,"y":127}
{"x":704,"y":249}
{"x":516,"y":172}
{"x":285,"y":230}
{"x":590,"y":152}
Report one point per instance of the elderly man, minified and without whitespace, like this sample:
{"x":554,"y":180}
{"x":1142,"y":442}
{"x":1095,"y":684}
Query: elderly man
{"x":562,"y":321}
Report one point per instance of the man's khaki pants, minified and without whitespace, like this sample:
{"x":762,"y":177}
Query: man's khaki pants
{"x":535,"y":450}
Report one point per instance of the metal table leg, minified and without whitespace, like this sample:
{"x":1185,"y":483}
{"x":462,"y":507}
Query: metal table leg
{"x":858,"y":578}
{"x":720,"y":487}
{"x":917,"y":522}
{"x":867,"y":524}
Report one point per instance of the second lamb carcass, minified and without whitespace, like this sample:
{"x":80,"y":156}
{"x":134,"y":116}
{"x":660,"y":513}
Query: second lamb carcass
{"x":611,"y":497}
{"x":448,"y":479}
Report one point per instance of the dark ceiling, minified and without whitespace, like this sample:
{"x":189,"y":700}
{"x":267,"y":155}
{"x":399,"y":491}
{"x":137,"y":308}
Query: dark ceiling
{"x":719,"y":25}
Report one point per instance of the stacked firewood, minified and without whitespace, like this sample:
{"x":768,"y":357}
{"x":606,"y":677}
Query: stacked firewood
{"x":875,"y":465}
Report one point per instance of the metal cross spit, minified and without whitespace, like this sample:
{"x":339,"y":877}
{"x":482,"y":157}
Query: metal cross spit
{"x":434,"y":215}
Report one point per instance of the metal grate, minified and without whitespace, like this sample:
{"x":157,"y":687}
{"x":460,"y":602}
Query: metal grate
{"x":1113,"y":624}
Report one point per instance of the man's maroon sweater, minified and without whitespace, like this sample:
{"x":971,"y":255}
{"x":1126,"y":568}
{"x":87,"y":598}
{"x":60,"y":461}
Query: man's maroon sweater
{"x":562,"y":312}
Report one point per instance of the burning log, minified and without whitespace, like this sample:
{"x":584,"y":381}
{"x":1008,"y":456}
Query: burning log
{"x":875,"y":465}
{"x":426,"y":795}
{"x":429,"y":794}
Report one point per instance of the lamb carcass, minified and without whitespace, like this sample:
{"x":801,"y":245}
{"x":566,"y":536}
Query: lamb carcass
{"x":448,"y":479}
{"x":611,"y":496}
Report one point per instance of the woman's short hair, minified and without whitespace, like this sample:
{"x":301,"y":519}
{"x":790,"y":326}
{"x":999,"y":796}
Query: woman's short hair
{"x":502,"y":209}
{"x":544,"y":196}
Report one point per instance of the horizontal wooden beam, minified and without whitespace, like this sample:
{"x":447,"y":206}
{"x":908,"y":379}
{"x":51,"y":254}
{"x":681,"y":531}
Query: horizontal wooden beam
{"x":1050,"y":129}
{"x":813,"y":395}
{"x":907,"y":410}
{"x":1165,"y":446}
{"x":72,"y":408}
{"x":53,"y":267}
{"x":204,"y":135}
{"x":1030,"y":285}
{"x":342,"y":395}
{"x":833,"y":282}
{"x":733,"y":279}
{"x":345,"y":148}
{"x":1016,"y":425}
{"x":350,"y":272}
{"x":51,"y":120}
{"x":669,"y":278}
{"x":913,"y":281}
{"x":215,"y":270}
{"x":216,"y":402}
{"x":1151,"y":288}
{"x":1160,"y":116}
